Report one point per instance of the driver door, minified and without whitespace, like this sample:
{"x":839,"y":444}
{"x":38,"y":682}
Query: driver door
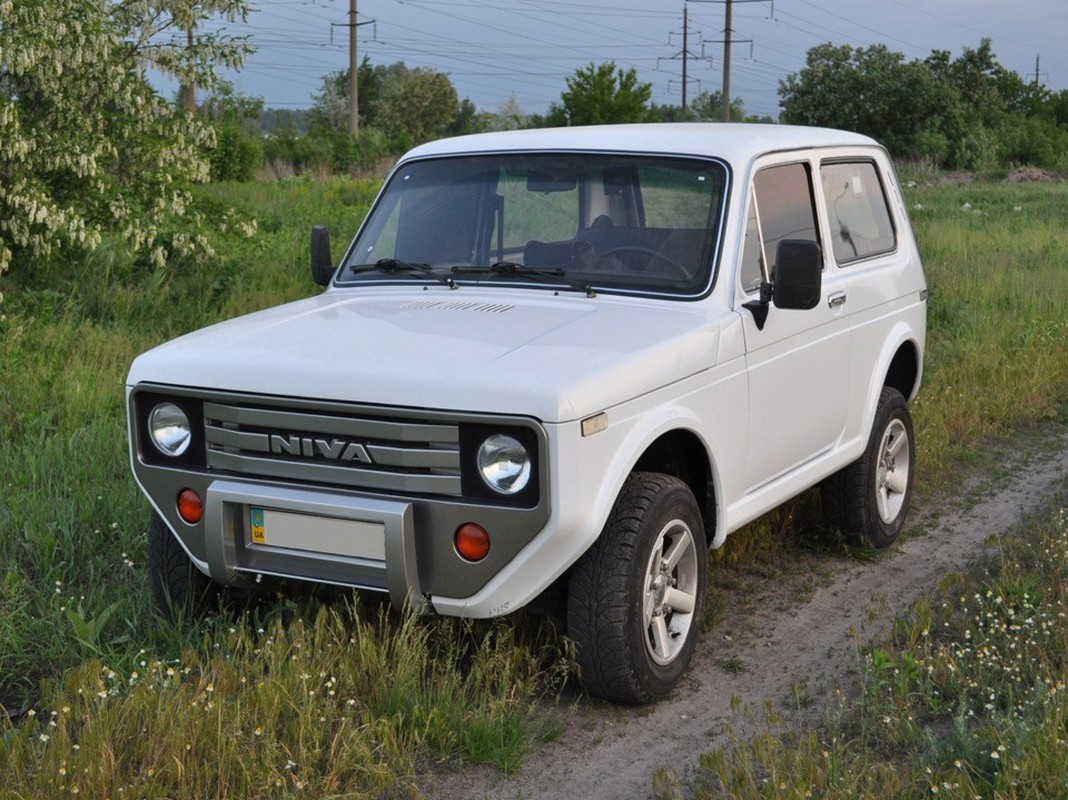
{"x":799,"y":362}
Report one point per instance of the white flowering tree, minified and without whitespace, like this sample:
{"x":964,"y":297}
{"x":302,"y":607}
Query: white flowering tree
{"x":170,"y":36}
{"x":87,"y":147}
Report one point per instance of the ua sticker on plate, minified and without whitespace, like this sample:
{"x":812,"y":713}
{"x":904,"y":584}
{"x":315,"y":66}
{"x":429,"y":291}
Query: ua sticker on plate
{"x":259,"y":529}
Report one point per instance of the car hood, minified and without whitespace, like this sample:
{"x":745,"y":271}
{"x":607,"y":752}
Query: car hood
{"x":553,"y":357}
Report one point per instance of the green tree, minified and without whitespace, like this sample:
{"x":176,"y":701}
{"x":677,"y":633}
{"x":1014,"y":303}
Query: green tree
{"x":600,"y":94}
{"x":330,"y":107}
{"x":1058,"y":108}
{"x":399,"y":107}
{"x":415,"y":105}
{"x":88,"y":147}
{"x":968,"y":112}
{"x":466,"y":120}
{"x":868,"y":90}
{"x":704,"y":107}
{"x":509,"y":116}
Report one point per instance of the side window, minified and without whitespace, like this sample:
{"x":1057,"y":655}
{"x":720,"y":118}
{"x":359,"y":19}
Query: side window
{"x":857,"y":212}
{"x":782,"y":208}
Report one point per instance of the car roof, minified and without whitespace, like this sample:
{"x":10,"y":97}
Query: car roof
{"x":733,"y":142}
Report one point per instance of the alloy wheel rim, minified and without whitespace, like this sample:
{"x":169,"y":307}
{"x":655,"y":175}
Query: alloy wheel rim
{"x":670,"y":596}
{"x":892,"y":471}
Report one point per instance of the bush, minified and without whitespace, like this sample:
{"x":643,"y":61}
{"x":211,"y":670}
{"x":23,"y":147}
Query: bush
{"x":237,"y":155}
{"x":1031,"y":141}
{"x":323,"y":151}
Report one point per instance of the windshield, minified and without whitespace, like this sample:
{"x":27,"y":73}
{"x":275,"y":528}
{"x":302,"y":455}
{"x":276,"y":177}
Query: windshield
{"x":635,"y":224}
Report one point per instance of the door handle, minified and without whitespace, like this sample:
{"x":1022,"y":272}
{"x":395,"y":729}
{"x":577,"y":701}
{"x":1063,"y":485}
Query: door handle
{"x":836,"y":299}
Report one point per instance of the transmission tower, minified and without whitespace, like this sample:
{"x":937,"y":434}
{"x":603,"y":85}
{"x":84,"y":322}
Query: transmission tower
{"x":684,"y":55}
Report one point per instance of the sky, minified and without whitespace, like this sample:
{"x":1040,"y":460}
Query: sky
{"x":496,"y":49}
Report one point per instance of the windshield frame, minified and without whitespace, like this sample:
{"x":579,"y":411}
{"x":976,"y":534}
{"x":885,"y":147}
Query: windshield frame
{"x":711,"y":251}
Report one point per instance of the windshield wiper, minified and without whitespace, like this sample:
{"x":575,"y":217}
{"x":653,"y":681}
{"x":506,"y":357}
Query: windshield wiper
{"x":392,"y":266}
{"x":514,"y":270}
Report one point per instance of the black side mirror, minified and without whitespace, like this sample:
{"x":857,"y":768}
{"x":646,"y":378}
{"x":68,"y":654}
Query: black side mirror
{"x":322,"y":264}
{"x":798,"y":274}
{"x":798,"y":280}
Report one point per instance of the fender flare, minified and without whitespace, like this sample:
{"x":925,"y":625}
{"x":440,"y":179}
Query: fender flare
{"x":649,"y":429}
{"x":900,"y":335}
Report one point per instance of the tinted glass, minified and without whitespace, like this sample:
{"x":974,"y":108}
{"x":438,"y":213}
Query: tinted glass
{"x":783,"y":209}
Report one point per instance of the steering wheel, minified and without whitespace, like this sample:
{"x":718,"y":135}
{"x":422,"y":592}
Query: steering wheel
{"x":624,"y":252}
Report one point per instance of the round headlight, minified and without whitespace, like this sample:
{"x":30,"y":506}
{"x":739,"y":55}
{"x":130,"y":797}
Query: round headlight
{"x":169,"y":428}
{"x":504,"y":464}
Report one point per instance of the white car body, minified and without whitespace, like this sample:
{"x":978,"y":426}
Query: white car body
{"x":773,"y":410}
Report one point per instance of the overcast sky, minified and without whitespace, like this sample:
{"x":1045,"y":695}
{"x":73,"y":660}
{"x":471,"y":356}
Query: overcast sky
{"x":492,"y":49}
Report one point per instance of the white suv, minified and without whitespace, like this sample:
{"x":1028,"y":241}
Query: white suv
{"x":577,"y":357}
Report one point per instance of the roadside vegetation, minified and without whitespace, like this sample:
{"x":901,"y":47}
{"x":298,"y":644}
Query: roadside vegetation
{"x":332,"y":695}
{"x":997,"y":336}
{"x":969,"y":699}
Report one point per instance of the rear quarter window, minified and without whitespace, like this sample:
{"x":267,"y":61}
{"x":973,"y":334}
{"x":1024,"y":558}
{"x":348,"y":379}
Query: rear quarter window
{"x":857,"y":211}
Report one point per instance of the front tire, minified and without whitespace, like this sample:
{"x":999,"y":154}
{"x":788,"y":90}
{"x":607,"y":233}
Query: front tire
{"x":870,"y":498}
{"x":635,"y":597}
{"x":176,"y":585}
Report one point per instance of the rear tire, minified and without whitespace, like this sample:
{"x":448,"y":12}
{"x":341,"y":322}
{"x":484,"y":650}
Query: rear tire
{"x":635,"y":597}
{"x":177,"y":586}
{"x":870,"y":498}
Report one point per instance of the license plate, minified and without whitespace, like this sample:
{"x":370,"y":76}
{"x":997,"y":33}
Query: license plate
{"x":343,"y":537}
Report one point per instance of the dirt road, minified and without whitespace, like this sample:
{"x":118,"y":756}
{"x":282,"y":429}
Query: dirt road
{"x":793,"y":640}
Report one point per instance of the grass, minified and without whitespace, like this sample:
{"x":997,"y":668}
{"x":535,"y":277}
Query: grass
{"x":969,"y":699}
{"x":123,"y":700}
{"x":998,"y":337}
{"x":297,"y":704}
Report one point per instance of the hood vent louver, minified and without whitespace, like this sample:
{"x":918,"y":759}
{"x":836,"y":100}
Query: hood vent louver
{"x":457,"y":305}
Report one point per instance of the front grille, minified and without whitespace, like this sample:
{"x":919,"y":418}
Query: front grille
{"x":361,"y":452}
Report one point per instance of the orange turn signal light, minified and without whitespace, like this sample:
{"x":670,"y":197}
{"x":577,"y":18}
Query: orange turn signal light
{"x":471,"y":541}
{"x":190,"y":506}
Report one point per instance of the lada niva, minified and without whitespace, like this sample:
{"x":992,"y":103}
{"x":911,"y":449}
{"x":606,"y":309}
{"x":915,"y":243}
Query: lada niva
{"x":571,"y":358}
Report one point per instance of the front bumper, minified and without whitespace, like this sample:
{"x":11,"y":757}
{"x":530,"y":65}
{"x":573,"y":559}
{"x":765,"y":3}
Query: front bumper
{"x":364,"y":542}
{"x":351,"y":524}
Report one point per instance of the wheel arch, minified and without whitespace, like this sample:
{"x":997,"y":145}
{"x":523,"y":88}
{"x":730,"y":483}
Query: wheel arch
{"x":900,"y":366}
{"x":903,"y":372}
{"x":683,"y":453}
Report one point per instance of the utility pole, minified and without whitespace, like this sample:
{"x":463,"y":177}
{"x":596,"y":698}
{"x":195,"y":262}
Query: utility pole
{"x":728,"y":37}
{"x":725,"y":107}
{"x":354,"y":65}
{"x":354,"y":73}
{"x":686,"y":44}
